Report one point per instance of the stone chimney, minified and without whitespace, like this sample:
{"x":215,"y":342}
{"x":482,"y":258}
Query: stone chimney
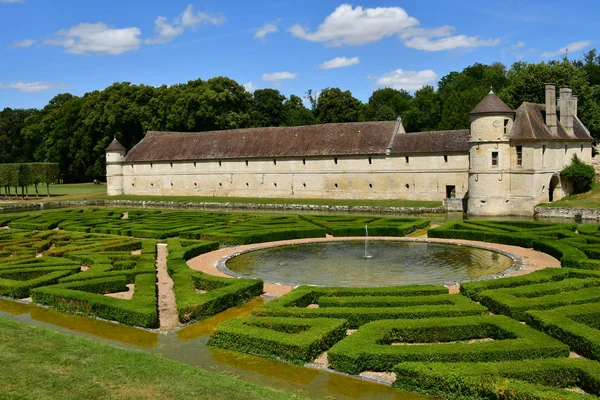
{"x":551,"y":109}
{"x":566,"y":112}
{"x":574,"y":103}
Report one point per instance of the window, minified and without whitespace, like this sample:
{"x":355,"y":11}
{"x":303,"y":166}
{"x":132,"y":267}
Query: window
{"x":336,"y":185}
{"x":445,"y":159}
{"x":304,"y":185}
{"x":220,"y":163}
{"x":274,"y":162}
{"x":520,"y":155}
{"x":450,"y":191}
{"x":304,"y":161}
{"x":370,"y":161}
{"x":194,"y":164}
{"x":370,"y":186}
{"x":543,"y":155}
{"x":275,"y":184}
{"x":246,"y":163}
{"x":494,"y":158}
{"x":335,"y":160}
{"x":582,"y":148}
{"x":406,"y":159}
{"x":171,"y":165}
{"x":566,"y":148}
{"x":506,"y":126}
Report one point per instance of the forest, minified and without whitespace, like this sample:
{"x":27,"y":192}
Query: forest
{"x":73,"y":131}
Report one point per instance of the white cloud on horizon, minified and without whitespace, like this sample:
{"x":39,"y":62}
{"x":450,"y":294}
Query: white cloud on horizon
{"x":277,"y":77}
{"x":263,"y":31}
{"x":98,"y":38}
{"x":570,"y":48}
{"x":340,"y":62}
{"x":407,"y":80}
{"x":31,"y":87}
{"x":250,"y":87}
{"x":358,"y":26}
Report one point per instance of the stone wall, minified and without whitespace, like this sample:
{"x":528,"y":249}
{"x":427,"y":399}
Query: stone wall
{"x":575,"y":213}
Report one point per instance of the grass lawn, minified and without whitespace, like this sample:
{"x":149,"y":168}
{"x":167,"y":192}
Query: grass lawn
{"x":89,"y":191}
{"x":589,"y":199}
{"x":37,"y":363}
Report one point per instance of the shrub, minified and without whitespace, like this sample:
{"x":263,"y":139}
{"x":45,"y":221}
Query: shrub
{"x":518,"y":380}
{"x":579,"y":174}
{"x":372,"y":346}
{"x":295,"y":340}
{"x":576,"y":326}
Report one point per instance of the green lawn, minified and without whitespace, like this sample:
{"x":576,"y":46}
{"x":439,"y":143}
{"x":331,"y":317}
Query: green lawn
{"x":89,"y":191}
{"x":589,"y":199}
{"x":37,"y":363}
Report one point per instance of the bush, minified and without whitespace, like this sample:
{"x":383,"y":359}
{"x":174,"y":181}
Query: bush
{"x":372,"y":347}
{"x":295,"y":340}
{"x":579,"y":174}
{"x":576,"y":326}
{"x":518,"y":380}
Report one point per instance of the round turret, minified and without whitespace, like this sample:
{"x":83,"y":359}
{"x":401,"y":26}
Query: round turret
{"x":115,"y":154}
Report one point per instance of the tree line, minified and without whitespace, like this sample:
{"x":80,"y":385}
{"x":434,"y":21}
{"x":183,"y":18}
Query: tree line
{"x":23,"y":175}
{"x":73,"y":131}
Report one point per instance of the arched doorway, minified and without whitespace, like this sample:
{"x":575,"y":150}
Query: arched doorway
{"x":554,"y":182}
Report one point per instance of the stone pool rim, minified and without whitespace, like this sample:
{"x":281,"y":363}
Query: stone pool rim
{"x":518,"y":263}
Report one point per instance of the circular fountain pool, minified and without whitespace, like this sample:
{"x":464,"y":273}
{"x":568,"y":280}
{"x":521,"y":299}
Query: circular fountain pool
{"x":391,"y":263}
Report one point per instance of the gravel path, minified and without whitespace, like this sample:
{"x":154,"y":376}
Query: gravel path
{"x":167,"y":309}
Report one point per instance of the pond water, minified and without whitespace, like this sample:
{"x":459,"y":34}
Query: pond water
{"x":391,"y":263}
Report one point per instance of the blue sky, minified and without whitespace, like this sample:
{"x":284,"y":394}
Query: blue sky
{"x":76,"y":46}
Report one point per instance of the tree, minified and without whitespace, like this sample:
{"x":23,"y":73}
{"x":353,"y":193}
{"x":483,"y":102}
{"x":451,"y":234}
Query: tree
{"x":334,"y":105}
{"x":579,"y":174}
{"x":296,"y":114}
{"x":387,"y":104}
{"x":425,"y":111}
{"x":267,"y":108}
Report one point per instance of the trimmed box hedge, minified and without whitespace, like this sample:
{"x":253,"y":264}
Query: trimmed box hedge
{"x":87,"y":297}
{"x":220,"y":293}
{"x":514,"y":302}
{"x":577,"y":326}
{"x":295,"y":304}
{"x":540,"y":379}
{"x":296,"y":340}
{"x":372,"y":347}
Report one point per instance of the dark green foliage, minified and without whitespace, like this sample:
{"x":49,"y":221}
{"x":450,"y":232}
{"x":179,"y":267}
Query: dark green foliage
{"x":579,"y":174}
{"x":372,"y":347}
{"x":200,"y":295}
{"x":539,"y":379}
{"x":87,"y":297}
{"x":578,"y":326}
{"x":296,"y":340}
{"x":362,"y":305}
{"x":338,"y":225}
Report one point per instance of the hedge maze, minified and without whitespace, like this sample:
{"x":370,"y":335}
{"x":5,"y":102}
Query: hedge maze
{"x":503,"y":338}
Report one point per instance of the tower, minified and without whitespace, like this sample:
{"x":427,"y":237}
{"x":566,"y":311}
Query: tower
{"x":115,"y":153}
{"x":489,"y":157}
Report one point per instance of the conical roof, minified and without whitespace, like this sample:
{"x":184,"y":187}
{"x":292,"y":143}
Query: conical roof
{"x":115,"y":145}
{"x":491,"y":104}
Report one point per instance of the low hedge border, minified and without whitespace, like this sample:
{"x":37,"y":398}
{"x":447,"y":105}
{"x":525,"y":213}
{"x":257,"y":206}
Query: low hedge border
{"x":31,"y":278}
{"x":294,"y":304}
{"x":295,"y":340}
{"x":540,"y":379}
{"x":577,"y":326}
{"x":87,"y":297}
{"x":221,"y":293}
{"x":371,"y":349}
{"x":514,"y":302}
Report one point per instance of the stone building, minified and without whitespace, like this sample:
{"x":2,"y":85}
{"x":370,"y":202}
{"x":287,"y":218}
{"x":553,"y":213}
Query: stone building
{"x":505,"y":164}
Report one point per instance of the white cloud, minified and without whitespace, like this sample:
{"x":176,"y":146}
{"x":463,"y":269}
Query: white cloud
{"x":448,"y":43}
{"x":516,"y":46}
{"x":190,"y":19}
{"x":407,"y":80}
{"x":277,"y":77}
{"x":265,"y":30}
{"x":167,"y":31}
{"x":24,"y":43}
{"x":340,"y":62}
{"x":570,"y":48}
{"x":31,"y":87}
{"x":97,"y":38}
{"x":357,"y":26}
{"x":12,"y":1}
{"x":250,"y":87}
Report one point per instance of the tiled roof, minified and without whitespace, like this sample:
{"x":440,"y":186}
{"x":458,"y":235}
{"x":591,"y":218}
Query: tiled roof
{"x":115,"y":145}
{"x":491,"y":104}
{"x":431,"y":142}
{"x":360,"y":138}
{"x":530,"y":125}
